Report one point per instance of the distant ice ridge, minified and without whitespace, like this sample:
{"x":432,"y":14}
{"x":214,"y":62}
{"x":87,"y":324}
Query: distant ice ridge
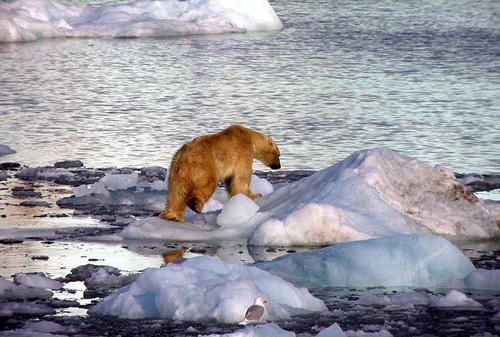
{"x":30,"y":20}
{"x":202,"y":289}
{"x":372,"y":193}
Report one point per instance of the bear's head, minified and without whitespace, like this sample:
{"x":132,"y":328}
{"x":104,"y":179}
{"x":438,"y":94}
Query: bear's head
{"x":269,"y":154}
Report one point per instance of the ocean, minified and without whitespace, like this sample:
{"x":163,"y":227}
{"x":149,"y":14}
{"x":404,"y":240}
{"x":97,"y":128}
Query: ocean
{"x":419,"y":77}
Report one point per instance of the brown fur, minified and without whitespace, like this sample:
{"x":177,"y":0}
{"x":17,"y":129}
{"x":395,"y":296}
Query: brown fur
{"x":226,"y":156}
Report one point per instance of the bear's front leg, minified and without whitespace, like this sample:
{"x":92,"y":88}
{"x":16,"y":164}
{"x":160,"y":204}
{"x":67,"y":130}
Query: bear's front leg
{"x":240,"y":184}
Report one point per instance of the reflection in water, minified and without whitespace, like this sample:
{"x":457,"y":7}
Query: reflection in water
{"x":129,"y":257}
{"x":172,"y":256}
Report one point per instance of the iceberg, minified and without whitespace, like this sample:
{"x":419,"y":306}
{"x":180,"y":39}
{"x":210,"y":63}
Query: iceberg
{"x":30,"y":20}
{"x":203,"y":289}
{"x":372,"y":193}
{"x":399,"y":260}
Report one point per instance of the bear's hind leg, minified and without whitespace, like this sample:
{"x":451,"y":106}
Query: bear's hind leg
{"x":176,"y":202}
{"x":201,"y":193}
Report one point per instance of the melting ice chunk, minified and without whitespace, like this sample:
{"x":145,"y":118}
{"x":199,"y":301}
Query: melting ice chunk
{"x":239,"y":209}
{"x":399,"y":260}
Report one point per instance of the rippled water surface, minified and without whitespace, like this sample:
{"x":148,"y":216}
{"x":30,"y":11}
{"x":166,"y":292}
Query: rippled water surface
{"x":419,"y":77}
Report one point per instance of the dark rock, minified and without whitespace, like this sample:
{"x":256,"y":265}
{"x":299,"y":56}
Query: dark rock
{"x":9,"y":166}
{"x":31,"y":203}
{"x":198,"y":250}
{"x":40,"y":257}
{"x":24,"y":192}
{"x":10,"y":241}
{"x":68,"y":164}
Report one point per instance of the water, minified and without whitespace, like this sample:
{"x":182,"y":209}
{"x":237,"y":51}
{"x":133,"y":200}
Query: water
{"x":418,"y":77}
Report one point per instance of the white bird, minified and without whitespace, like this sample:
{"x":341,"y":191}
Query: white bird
{"x":255,"y":311}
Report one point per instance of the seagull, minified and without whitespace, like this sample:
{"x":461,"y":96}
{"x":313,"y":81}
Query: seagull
{"x":255,"y":311}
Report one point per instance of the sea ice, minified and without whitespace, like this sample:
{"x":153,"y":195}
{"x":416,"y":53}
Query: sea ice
{"x":26,"y":308}
{"x":239,"y":209}
{"x":44,"y":326}
{"x":110,"y":182}
{"x":483,"y":279}
{"x":202,"y":289}
{"x":274,"y":330}
{"x":86,"y":271}
{"x":400,"y":260}
{"x":37,"y":280}
{"x":332,"y":331}
{"x":265,"y":330}
{"x":30,"y":20}
{"x":45,"y":173}
{"x":372,"y":193}
{"x":4,"y":149}
{"x":10,"y":290}
{"x":27,"y":333}
{"x":260,"y":185}
{"x":453,"y":298}
{"x":100,"y":278}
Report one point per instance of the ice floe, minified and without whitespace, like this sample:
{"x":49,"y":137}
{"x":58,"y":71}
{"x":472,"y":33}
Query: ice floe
{"x":484,"y":279}
{"x":10,"y":290}
{"x":26,"y":308}
{"x":100,"y":278}
{"x":30,"y":20}
{"x":4,"y":149}
{"x":453,"y":298}
{"x":400,"y":260}
{"x":27,"y":333}
{"x":37,"y":280}
{"x":202,"y":289}
{"x":274,"y":330}
{"x":238,"y":210}
{"x":265,"y":330}
{"x":44,"y":326}
{"x":372,"y":193}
